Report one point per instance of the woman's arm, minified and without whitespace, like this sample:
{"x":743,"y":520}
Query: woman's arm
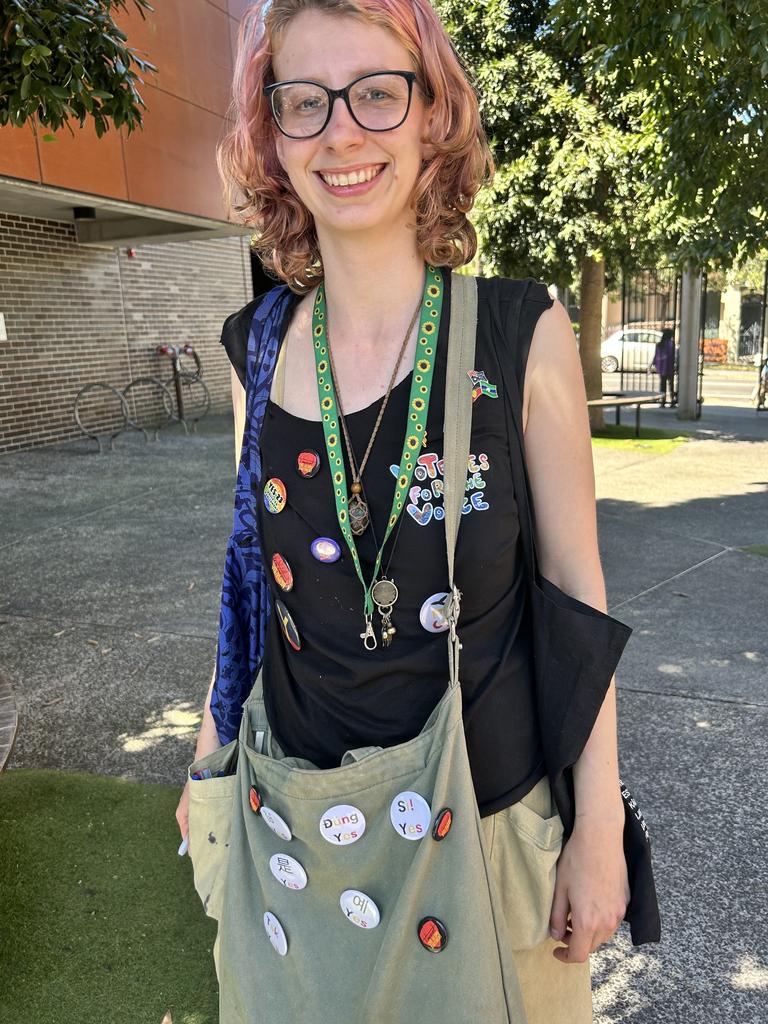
{"x":591,"y":884}
{"x":238,"y":408}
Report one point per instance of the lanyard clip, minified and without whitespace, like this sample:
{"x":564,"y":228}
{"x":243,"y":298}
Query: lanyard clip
{"x":369,"y":637}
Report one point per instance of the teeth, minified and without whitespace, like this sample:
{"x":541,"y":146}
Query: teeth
{"x":353,"y":178}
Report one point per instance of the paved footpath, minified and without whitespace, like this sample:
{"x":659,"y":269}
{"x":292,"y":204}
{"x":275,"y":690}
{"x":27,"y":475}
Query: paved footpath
{"x":111,"y":568}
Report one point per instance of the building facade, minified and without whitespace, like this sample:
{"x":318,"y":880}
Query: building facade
{"x":111,"y":246}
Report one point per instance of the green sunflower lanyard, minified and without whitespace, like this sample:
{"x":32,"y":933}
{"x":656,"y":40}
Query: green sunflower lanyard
{"x":382,"y":592}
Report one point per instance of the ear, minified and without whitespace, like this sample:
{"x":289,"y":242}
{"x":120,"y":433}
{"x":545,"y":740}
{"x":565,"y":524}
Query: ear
{"x":428,"y":150}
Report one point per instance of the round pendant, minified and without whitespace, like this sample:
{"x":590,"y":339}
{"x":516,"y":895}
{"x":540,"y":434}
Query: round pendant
{"x":384,"y":593}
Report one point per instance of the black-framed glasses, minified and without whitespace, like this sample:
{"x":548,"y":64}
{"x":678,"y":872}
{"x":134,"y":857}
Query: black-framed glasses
{"x":378,"y":102}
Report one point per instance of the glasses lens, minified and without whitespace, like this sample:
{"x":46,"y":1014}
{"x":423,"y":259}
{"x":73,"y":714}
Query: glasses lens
{"x":300,"y":108}
{"x":380,"y":102}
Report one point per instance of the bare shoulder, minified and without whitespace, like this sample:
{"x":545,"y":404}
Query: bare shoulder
{"x":553,"y":372}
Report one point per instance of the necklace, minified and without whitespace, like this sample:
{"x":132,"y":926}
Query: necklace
{"x":385,"y":590}
{"x":359,"y":516}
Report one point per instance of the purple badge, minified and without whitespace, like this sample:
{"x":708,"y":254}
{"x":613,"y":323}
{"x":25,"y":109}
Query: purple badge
{"x":325,"y":549}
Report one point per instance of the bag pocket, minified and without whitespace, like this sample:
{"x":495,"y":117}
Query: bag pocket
{"x":525,"y":842}
{"x":210,"y":822}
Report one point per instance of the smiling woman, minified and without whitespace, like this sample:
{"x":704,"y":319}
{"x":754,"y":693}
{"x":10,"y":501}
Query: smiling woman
{"x":376,"y":522}
{"x":451,"y":166}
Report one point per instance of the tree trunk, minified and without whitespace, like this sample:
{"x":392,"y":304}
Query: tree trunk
{"x":591,"y":333}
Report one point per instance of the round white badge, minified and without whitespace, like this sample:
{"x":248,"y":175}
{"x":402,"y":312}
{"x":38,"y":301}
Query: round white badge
{"x":410,"y":815}
{"x":288,"y":871}
{"x":275,"y":933}
{"x":359,"y":908}
{"x":276,"y":823}
{"x":432,"y":614}
{"x":342,"y":824}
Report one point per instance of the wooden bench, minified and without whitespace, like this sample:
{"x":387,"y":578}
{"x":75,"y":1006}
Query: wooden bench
{"x":620,"y":398}
{"x":9,"y":721}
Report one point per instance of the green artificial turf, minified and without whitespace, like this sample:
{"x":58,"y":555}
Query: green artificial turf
{"x":99,"y":920}
{"x":652,"y":441}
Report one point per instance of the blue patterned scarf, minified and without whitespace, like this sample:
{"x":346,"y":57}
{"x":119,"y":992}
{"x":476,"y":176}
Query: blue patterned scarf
{"x":245,"y":602}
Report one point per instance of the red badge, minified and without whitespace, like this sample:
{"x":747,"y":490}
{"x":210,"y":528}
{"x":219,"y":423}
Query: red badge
{"x":307,"y":463}
{"x":433,"y":935}
{"x":254,"y":799}
{"x":443,"y":823}
{"x":282,"y":573}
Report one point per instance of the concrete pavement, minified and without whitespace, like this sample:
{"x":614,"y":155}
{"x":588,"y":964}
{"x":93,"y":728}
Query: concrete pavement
{"x":111,"y":569}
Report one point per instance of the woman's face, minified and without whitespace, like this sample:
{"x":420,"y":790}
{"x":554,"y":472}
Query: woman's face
{"x":334,"y":50}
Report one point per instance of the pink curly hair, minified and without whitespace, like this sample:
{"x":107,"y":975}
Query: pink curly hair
{"x":447,"y":184}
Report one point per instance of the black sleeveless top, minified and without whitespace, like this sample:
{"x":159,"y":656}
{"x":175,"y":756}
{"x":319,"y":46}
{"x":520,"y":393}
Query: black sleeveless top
{"x":332,"y":695}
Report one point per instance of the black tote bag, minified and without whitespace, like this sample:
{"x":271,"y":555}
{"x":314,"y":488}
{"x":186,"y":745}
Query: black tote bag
{"x":576,"y":647}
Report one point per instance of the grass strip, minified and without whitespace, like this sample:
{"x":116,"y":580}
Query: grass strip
{"x":100,"y":920}
{"x":652,"y":440}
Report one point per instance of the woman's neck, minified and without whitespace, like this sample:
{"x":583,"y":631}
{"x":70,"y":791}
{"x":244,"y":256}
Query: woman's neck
{"x":370,"y":288}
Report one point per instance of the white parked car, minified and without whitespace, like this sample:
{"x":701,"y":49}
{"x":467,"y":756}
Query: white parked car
{"x":635,"y":346}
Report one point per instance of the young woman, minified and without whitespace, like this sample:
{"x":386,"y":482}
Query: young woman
{"x":358,"y":150}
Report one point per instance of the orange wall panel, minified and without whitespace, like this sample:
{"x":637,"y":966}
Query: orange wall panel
{"x":81,"y":161}
{"x":18,"y":153}
{"x":189,"y":42}
{"x":171,"y":164}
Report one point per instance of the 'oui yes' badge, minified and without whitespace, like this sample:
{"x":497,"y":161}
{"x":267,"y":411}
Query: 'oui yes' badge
{"x":410,"y":815}
{"x":276,"y":823}
{"x":275,"y":933}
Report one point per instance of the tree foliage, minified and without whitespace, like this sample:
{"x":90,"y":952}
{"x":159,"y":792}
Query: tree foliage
{"x":622,"y":131}
{"x":62,"y":60}
{"x":703,"y":67}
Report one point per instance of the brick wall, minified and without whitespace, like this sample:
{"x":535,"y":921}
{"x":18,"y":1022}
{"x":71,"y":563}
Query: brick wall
{"x":76,"y":314}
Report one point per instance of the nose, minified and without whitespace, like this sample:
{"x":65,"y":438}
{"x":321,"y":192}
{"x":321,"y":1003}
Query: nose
{"x":342,"y":130}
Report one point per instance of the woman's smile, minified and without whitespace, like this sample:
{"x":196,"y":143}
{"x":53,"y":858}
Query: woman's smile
{"x":351,"y":181}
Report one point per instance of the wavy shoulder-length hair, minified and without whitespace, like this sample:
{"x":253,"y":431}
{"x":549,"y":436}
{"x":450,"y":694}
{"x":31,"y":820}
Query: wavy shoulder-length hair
{"x":257,"y":189}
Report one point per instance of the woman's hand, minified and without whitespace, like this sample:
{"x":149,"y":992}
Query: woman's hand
{"x":182,"y":811}
{"x":592,"y":885}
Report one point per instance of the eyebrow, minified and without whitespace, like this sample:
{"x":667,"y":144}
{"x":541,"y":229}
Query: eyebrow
{"x":353,"y":75}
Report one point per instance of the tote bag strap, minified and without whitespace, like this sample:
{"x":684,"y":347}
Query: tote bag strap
{"x":457,"y":428}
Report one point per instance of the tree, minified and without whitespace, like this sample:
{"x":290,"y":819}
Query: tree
{"x":703,"y":65}
{"x":61,"y":60}
{"x":595,"y":173}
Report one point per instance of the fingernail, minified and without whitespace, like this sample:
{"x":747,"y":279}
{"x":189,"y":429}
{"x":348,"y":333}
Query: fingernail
{"x":555,"y":933}
{"x":184,"y":845}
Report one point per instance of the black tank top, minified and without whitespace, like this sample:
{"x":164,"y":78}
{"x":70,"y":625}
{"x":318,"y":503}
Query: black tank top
{"x":332,"y":695}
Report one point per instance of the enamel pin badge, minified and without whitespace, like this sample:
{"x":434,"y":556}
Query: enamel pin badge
{"x":481,"y":385}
